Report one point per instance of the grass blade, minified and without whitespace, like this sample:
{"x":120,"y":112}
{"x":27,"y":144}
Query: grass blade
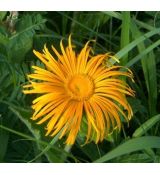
{"x":125,"y":30}
{"x":135,"y":144}
{"x":116,"y":15}
{"x":149,"y":69}
{"x":146,"y":126}
{"x":142,"y":54}
{"x":134,"y":43}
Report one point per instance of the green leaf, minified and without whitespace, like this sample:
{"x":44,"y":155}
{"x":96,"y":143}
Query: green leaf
{"x":6,"y":118}
{"x":113,"y":14}
{"x":21,"y":42}
{"x":149,"y":67}
{"x":125,"y":31}
{"x":146,"y":126}
{"x":152,"y":82}
{"x":142,"y":54}
{"x":19,"y":47}
{"x":81,"y":24}
{"x":134,"y":43}
{"x":134,"y":158}
{"x":51,"y":151}
{"x":24,"y":115}
{"x":2,"y":15}
{"x":29,"y":23}
{"x":135,"y":144}
{"x":47,"y":148}
{"x":118,"y":15}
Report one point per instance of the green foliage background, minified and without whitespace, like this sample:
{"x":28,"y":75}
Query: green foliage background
{"x":134,"y":37}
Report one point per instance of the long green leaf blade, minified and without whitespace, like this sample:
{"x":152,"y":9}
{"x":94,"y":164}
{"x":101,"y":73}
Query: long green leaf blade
{"x":146,"y":126}
{"x":125,"y":31}
{"x":130,"y":146}
{"x":142,"y":54}
{"x":134,"y":43}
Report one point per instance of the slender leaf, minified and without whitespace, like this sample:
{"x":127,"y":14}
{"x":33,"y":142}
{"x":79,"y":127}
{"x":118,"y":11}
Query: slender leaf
{"x":125,"y":31}
{"x":149,"y":69}
{"x":142,"y":54}
{"x":135,"y":144}
{"x":146,"y":126}
{"x":134,"y":43}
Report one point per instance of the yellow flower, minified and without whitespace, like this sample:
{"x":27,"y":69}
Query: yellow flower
{"x":76,"y":88}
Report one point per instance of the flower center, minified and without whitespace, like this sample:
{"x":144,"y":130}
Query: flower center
{"x":80,"y":87}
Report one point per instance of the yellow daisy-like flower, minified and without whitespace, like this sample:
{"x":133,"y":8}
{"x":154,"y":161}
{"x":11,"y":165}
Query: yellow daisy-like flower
{"x":76,"y":88}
